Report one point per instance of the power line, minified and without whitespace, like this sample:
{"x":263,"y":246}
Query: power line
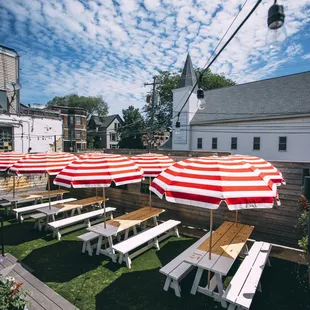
{"x":219,"y":53}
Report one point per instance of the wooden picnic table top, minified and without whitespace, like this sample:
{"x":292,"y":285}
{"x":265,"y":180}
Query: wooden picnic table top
{"x":45,"y":193}
{"x":125,"y":221}
{"x":227,"y":242}
{"x":69,"y":206}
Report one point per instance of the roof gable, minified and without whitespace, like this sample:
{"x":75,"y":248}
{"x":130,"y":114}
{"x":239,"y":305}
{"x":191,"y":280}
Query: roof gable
{"x":283,"y":96}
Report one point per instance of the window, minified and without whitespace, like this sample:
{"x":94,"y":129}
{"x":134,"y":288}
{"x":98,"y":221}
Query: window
{"x":6,"y":139}
{"x":112,"y":136}
{"x":199,"y":143}
{"x":256,"y":143}
{"x":112,"y":146}
{"x":214,"y":143}
{"x":234,"y":143}
{"x":78,"y":120}
{"x":282,"y":143}
{"x":70,"y":120}
{"x":115,"y":126}
{"x":78,"y":134}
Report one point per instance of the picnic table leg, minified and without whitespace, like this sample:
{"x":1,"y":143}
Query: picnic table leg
{"x":113,"y":255}
{"x":219,"y":282}
{"x":196,"y":281}
{"x":126,"y":234}
{"x":99,"y":244}
{"x":155,"y":220}
{"x":134,"y":229}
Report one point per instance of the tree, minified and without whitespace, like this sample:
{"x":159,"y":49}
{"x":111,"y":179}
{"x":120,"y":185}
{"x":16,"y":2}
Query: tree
{"x":91,"y":104}
{"x":169,"y":81}
{"x":132,"y":129}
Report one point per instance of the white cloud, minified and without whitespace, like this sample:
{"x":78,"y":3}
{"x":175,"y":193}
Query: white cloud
{"x":112,"y":47}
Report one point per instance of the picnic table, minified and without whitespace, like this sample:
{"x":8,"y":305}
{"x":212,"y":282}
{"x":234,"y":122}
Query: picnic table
{"x":33,"y":196}
{"x":72,"y":206}
{"x":123,"y":223}
{"x":227,"y":243}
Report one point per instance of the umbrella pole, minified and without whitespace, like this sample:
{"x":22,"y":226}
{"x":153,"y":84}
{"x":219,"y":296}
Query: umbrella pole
{"x":104,"y":215}
{"x":14,"y":184}
{"x":150,"y":193}
{"x":210,"y":244}
{"x":49,"y":190}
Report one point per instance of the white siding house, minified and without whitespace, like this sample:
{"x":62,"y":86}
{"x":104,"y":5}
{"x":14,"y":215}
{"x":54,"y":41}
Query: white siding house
{"x":268,"y":118}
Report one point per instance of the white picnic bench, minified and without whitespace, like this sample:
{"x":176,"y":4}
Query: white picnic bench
{"x":116,"y":227}
{"x":177,"y":269}
{"x":20,"y":212}
{"x":150,"y":236}
{"x":59,"y":226}
{"x":242,"y":288}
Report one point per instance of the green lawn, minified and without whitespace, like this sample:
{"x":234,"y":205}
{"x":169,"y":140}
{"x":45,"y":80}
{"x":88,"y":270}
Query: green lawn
{"x":97,"y":283}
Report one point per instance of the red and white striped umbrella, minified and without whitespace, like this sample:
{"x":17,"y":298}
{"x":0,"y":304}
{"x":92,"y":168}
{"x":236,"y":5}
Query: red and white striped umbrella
{"x":265,"y":167}
{"x":8,"y":159}
{"x":153,"y":164}
{"x":51,"y":163}
{"x":208,"y":181}
{"x":99,"y":170}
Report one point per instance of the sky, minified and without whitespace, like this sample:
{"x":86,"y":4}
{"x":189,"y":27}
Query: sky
{"x":112,"y":47}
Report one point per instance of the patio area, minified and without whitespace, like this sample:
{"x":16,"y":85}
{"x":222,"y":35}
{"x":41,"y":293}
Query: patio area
{"x":97,"y":283}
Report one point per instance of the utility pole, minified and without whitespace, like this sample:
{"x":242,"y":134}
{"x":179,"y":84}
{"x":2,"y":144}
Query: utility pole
{"x":150,"y":134}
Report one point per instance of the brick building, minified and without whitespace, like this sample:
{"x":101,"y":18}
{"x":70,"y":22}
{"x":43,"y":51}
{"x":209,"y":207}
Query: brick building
{"x":74,"y":127}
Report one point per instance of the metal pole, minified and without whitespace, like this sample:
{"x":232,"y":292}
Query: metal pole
{"x":210,"y":244}
{"x":104,"y":215}
{"x":49,"y":190}
{"x":14,"y":184}
{"x":150,"y":193}
{"x":55,"y":146}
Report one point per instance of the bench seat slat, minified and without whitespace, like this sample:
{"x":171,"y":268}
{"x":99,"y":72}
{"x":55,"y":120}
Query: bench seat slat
{"x":168,"y":268}
{"x":37,"y":216}
{"x":42,"y":205}
{"x":248,"y":290}
{"x":78,"y":218}
{"x":143,"y":237}
{"x":88,"y":236}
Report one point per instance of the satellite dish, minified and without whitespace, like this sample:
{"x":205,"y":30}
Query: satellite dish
{"x":11,"y":86}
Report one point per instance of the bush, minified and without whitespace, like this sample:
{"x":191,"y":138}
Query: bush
{"x":12,"y":296}
{"x":303,"y":222}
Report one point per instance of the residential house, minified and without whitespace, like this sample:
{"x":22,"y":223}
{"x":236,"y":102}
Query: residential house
{"x":74,"y":127}
{"x":268,"y":118}
{"x":103,"y":131}
{"x":23,"y":128}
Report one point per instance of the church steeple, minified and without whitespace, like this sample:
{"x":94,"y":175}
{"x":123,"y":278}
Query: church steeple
{"x":188,"y":77}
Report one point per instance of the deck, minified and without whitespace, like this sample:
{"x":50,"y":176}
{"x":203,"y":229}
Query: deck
{"x":41,"y":296}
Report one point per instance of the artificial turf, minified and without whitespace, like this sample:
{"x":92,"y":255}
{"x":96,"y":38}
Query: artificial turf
{"x":97,"y":283}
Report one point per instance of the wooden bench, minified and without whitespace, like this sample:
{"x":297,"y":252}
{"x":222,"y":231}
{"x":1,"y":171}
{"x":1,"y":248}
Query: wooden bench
{"x":151,"y":236}
{"x":85,"y":217}
{"x":177,"y":269}
{"x":20,"y":212}
{"x":87,"y":238}
{"x":242,"y":288}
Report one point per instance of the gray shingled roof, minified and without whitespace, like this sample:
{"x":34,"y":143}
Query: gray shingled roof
{"x":276,"y":97}
{"x":188,"y":77}
{"x":104,"y":121}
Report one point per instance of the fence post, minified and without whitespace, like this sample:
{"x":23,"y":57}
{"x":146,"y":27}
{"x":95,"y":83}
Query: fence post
{"x":307,"y":195}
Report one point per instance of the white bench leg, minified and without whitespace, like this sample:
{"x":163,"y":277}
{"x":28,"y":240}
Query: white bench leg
{"x":128,"y":261}
{"x":84,"y":246}
{"x":39,"y":224}
{"x":196,"y":281}
{"x":231,"y":307}
{"x":245,"y":250}
{"x":176,"y":288}
{"x":111,"y":215}
{"x":268,"y":262}
{"x":21,"y":218}
{"x":167,"y":283}
{"x":156,"y":244}
{"x":89,"y":248}
{"x":176,"y":232}
{"x":99,"y":244}
{"x":58,"y":235}
{"x":121,"y":257}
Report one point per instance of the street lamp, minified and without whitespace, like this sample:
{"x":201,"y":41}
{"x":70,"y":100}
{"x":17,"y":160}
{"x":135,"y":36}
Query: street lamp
{"x":177,"y":127}
{"x":201,"y":104}
{"x":276,"y":33}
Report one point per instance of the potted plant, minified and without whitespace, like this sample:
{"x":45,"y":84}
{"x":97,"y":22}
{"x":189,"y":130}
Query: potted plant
{"x":12,"y":296}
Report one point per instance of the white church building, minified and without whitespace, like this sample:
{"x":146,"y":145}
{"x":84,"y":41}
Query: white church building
{"x":268,"y":118}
